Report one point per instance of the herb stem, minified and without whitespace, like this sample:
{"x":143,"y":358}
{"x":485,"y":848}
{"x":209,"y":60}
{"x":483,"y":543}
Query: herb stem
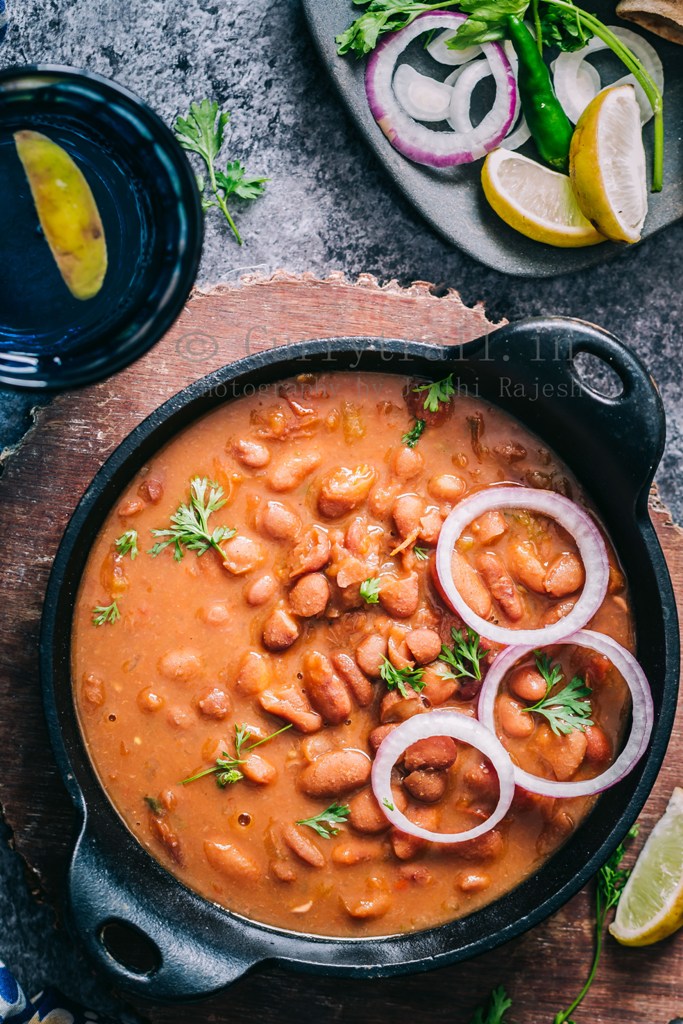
{"x":222,"y":203}
{"x":537,"y":26}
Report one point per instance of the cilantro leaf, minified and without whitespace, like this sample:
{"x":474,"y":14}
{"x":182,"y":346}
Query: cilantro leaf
{"x":400,"y":678}
{"x":464,"y":659}
{"x":369,"y":591}
{"x":568,"y":709}
{"x":414,"y":434}
{"x":190,"y":523}
{"x":325,"y":823}
{"x":436,"y":393}
{"x":494,"y":1013}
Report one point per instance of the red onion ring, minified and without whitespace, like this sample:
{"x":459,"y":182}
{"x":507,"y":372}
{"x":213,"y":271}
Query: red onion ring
{"x":441,"y":723}
{"x":641,"y":724}
{"x":574,"y":520}
{"x":416,"y":141}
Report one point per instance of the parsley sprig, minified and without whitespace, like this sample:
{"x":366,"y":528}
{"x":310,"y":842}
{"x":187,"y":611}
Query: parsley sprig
{"x":568,"y":709}
{"x":414,"y":434}
{"x":369,"y":590}
{"x":464,"y":658}
{"x":401,"y":678}
{"x":227,"y":768}
{"x":610,"y":883}
{"x":437,"y":392}
{"x":127,"y":543}
{"x":201,"y":131}
{"x":190,"y":524}
{"x":325,"y":823}
{"x":106,"y":614}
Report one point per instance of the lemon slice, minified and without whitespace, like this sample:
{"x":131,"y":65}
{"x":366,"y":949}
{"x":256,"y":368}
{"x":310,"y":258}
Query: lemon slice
{"x":651,"y":905}
{"x":535,"y":201}
{"x":607,"y":164}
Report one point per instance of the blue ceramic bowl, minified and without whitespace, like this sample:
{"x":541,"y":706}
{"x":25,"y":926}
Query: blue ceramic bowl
{"x":150,"y":208}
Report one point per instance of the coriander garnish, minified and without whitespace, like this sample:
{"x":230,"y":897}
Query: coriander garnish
{"x":421,"y":554}
{"x":109,"y":614}
{"x":190,"y":524}
{"x":325,"y":823}
{"x":388,"y":804}
{"x":127,"y":544}
{"x":414,"y":434}
{"x":201,"y":131}
{"x":369,"y":591}
{"x":438,"y":392}
{"x":226,"y":768}
{"x":566,"y":710}
{"x":464,"y":659}
{"x":400,"y":678}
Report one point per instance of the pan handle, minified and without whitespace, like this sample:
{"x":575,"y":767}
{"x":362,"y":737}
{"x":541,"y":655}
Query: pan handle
{"x":140,"y":940}
{"x":630,"y":425}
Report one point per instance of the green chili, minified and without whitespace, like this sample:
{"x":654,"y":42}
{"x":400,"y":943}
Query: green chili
{"x":550,"y":127}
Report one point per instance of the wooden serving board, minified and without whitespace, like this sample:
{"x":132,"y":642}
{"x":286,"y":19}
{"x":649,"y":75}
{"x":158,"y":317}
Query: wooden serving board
{"x":41,"y":485}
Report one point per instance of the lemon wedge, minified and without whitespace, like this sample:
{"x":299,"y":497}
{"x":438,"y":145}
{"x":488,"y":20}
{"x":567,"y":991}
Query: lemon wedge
{"x":651,"y":905}
{"x":535,"y":201}
{"x":607,"y":164}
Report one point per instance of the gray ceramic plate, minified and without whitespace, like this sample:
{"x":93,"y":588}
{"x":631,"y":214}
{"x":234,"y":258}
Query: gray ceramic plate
{"x":456,"y":207}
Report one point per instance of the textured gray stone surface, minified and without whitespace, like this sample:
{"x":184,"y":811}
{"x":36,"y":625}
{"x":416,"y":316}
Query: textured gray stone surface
{"x":328,"y":207}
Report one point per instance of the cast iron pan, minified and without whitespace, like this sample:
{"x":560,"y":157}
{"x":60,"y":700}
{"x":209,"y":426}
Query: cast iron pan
{"x":160,"y":940}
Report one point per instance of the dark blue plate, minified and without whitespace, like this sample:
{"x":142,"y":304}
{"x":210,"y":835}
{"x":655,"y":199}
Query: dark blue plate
{"x":145,"y":191}
{"x":454,"y":204}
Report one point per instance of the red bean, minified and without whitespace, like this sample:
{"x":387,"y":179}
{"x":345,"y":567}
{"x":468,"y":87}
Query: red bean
{"x":366,"y":815}
{"x":182,"y":664}
{"x":303,"y":846}
{"x":335,"y":773}
{"x":148,"y":700}
{"x":489,"y":527}
{"x":325,"y":690}
{"x":435,"y":752}
{"x":528,"y":684}
{"x":229,"y":860}
{"x":344,"y":489}
{"x":92,"y":691}
{"x":370,"y":654}
{"x":293,"y":470}
{"x":598,"y":746}
{"x":215,"y":703}
{"x":489,"y":846}
{"x":278,"y":521}
{"x":526,"y":566}
{"x":406,"y":512}
{"x":311,"y":553}
{"x":470,"y":586}
{"x":258,"y":770}
{"x":564,"y":754}
{"x":356,"y":851}
{"x":565,"y":575}
{"x":280,"y":630}
{"x":251,"y":453}
{"x":376,"y":902}
{"x":379,"y":733}
{"x":131,"y":507}
{"x":513,"y":720}
{"x":290,"y":704}
{"x":407,"y":463}
{"x":309,"y":596}
{"x":358,"y":683}
{"x":151,"y":490}
{"x":473,"y":881}
{"x":400,"y":597}
{"x":501,"y":584}
{"x":426,"y":786}
{"x":558,"y":612}
{"x":242,"y":554}
{"x":254,"y":674}
{"x":447,"y":488}
{"x":260,"y":590}
{"x":424,"y":645}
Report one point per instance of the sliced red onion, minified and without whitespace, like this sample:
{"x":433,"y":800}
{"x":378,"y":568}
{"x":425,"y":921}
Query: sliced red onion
{"x":416,"y":141}
{"x":574,"y":89}
{"x":464,"y":80}
{"x":421,"y":97}
{"x":441,"y":723}
{"x":440,"y":52}
{"x":641,"y":720}
{"x":568,"y":514}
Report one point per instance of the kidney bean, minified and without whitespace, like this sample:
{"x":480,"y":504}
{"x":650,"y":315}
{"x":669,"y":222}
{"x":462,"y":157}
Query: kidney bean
{"x":280,"y":631}
{"x":309,"y":595}
{"x":215,"y":703}
{"x":251,"y":453}
{"x":564,"y":754}
{"x":131,"y":507}
{"x":400,"y":597}
{"x":565,"y":575}
{"x":370,"y":654}
{"x":229,"y":860}
{"x":418,"y":874}
{"x":489,"y":527}
{"x":377,"y":735}
{"x":426,"y":786}
{"x":366,"y":815}
{"x":407,"y":463}
{"x":359,"y":684}
{"x":483,"y":781}
{"x":430,"y":526}
{"x":242,"y":554}
{"x":557,"y":612}
{"x":303,"y":846}
{"x":92,"y":691}
{"x":162,"y":831}
{"x":216,"y":614}
{"x":325,"y":690}
{"x":291,"y":705}
{"x":254,"y":674}
{"x":447,"y":487}
{"x":526,"y":566}
{"x":381,"y":499}
{"x":395,"y":708}
{"x":405,"y":845}
{"x":335,"y":773}
{"x":555,"y":832}
{"x":527,"y":683}
{"x":470,"y":586}
{"x":278,"y":521}
{"x":258,"y":770}
{"x":424,"y":645}
{"x":501,"y":584}
{"x":436,"y":753}
{"x":510,"y":451}
{"x":374,"y":904}
{"x":489,"y":846}
{"x":310,"y":554}
{"x":438,"y":686}
{"x":512,"y":718}
{"x":397,"y":649}
{"x":151,"y":490}
{"x":293,"y":470}
{"x":260,"y":590}
{"x":406,"y":512}
{"x":344,"y":489}
{"x":182,"y":664}
{"x":472,"y":881}
{"x":282,"y":870}
{"x":356,"y":851}
{"x":598,"y":746}
{"x":616,"y":582}
{"x":316,"y":744}
{"x":179,"y":718}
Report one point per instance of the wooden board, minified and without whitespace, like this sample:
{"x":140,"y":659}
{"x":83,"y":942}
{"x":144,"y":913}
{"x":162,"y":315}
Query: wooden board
{"x":40,"y":486}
